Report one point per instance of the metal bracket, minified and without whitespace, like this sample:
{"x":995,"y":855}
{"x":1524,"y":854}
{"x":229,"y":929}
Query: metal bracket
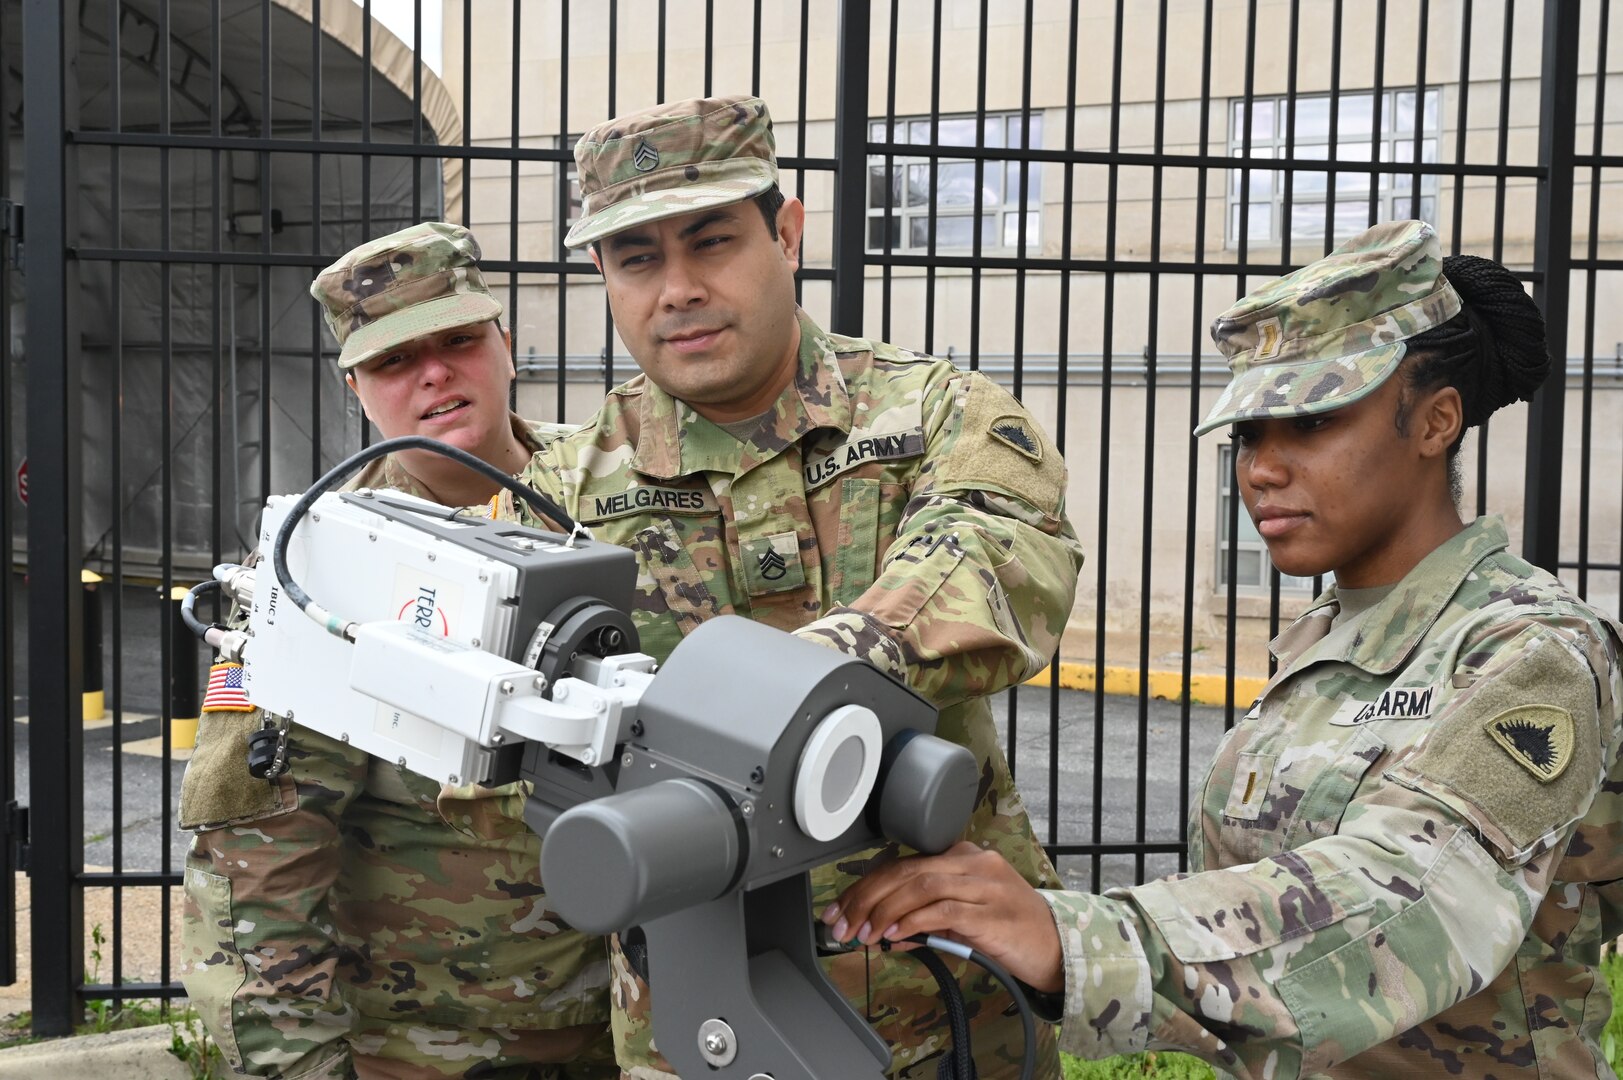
{"x":16,"y":834}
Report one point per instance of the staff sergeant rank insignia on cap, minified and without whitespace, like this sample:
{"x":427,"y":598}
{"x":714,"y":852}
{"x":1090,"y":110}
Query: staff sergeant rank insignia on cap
{"x":1537,"y":737}
{"x":645,"y":158}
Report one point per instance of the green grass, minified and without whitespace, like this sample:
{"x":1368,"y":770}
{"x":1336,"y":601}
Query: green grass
{"x":1166,"y":1066}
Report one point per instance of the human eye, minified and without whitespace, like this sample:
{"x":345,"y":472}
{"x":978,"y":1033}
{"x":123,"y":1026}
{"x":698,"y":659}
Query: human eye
{"x":391,"y":360}
{"x":1311,"y":423}
{"x":1243,"y":434}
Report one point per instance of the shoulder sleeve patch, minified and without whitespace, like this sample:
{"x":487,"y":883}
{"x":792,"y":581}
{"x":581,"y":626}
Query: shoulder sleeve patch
{"x":999,"y":446}
{"x":1519,"y":752}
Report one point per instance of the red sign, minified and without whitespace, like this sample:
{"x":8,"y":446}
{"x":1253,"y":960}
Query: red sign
{"x":22,"y":481}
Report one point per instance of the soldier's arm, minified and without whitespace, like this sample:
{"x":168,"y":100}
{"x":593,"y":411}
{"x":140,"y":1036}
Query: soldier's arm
{"x":1286,"y":966}
{"x":975,"y":590}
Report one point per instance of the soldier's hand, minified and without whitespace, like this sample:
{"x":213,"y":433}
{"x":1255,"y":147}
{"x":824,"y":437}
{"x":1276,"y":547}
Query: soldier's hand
{"x":967,"y":894}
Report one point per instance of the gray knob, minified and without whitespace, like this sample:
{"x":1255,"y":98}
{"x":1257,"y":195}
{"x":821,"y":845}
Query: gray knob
{"x":929,"y":791}
{"x":621,"y":860}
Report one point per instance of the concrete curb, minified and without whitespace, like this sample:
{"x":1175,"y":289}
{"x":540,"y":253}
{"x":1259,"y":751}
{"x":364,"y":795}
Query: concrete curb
{"x":1167,"y":685}
{"x":134,"y":1054}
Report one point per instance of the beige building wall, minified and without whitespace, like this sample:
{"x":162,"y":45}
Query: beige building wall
{"x":1106,"y":505}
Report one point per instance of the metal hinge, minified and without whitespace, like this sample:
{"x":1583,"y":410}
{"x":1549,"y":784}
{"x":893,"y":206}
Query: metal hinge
{"x":17,"y":834}
{"x":11,"y":227}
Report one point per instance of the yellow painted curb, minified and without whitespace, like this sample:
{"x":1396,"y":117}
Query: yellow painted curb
{"x":182,"y":734}
{"x":95,"y":704}
{"x":1167,"y":685}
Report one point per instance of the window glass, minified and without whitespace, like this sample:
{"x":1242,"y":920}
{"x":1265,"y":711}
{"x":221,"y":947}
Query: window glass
{"x":1002,"y":199}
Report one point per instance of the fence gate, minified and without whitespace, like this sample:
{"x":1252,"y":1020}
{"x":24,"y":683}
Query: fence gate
{"x":1060,"y":194}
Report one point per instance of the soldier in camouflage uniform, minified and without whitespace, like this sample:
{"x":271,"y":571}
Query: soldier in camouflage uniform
{"x":1406,"y":857}
{"x":875,"y":501}
{"x":351,"y":918}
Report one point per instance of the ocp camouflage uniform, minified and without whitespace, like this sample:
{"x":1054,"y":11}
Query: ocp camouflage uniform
{"x":352,"y":915}
{"x":1385,"y":878}
{"x":889,"y":506}
{"x":1405,"y":858}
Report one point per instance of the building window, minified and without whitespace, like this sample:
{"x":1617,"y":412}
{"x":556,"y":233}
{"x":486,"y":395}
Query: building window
{"x":1251,"y":564}
{"x":909,"y":187}
{"x":1354,"y":141}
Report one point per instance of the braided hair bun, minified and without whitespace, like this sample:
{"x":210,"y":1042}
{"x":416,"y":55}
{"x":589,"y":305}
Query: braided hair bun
{"x":1493,"y":352}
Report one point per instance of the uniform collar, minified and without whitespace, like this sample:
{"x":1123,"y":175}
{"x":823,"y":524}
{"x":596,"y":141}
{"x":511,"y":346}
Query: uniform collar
{"x":387,"y":474}
{"x":674,"y":440}
{"x":1404,"y":617}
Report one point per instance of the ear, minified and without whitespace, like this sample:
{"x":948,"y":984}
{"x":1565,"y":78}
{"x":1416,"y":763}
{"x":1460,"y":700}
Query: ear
{"x":597,"y":259}
{"x":1442,"y":418}
{"x":349,"y":380}
{"x":791,"y":228}
{"x":507,"y":350}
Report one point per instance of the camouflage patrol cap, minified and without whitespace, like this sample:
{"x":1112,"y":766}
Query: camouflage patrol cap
{"x":408,"y":284}
{"x":672,"y":159}
{"x":1330,"y":333}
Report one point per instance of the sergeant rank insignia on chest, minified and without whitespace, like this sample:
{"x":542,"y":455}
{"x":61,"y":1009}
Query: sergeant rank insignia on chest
{"x":1539,"y":738}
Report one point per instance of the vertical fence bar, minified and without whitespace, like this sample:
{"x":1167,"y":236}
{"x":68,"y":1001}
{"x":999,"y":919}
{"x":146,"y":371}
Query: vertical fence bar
{"x":1552,"y":258}
{"x":167,"y":650}
{"x":55,"y":532}
{"x":116,"y":481}
{"x":851,"y":174}
{"x":8,"y":580}
{"x":1585,"y":441}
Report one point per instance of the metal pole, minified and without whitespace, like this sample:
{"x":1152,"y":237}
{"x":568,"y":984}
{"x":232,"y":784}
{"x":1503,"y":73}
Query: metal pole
{"x":851,"y":175}
{"x":1552,"y":256}
{"x":55,"y":533}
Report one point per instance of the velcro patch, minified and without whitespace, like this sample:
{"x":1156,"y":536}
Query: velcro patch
{"x":862,"y":446}
{"x":1537,"y":737}
{"x":772,"y":563}
{"x":648,"y":499}
{"x":1001,"y":448}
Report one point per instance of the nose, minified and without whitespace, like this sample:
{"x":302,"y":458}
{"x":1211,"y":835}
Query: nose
{"x":682,"y":286}
{"x":1261,"y":465}
{"x":432,"y":368}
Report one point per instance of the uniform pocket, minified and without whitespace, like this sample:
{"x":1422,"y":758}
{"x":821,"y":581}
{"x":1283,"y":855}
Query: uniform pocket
{"x":214,"y":971}
{"x":1222,"y":914}
{"x":856,"y":559}
{"x":671,"y":583}
{"x":1325,"y":799}
{"x":217,"y":788}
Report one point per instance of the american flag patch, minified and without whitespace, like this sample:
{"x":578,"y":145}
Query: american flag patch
{"x":225,"y":690}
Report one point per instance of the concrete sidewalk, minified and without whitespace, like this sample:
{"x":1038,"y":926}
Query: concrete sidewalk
{"x":136,"y":1054}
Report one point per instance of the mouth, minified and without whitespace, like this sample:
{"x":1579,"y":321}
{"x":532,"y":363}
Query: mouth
{"x":446,"y":408}
{"x":1275,"y":521}
{"x":693,"y":341}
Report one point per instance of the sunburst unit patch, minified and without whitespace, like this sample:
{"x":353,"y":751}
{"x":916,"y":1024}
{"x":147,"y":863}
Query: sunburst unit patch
{"x":1015,"y":431}
{"x":1537,"y":737}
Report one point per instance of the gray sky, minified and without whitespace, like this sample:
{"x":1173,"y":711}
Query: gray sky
{"x":397,"y":15}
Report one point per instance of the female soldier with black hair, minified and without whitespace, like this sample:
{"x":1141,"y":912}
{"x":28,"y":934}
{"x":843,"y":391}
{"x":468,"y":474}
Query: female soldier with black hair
{"x":1407,"y":855}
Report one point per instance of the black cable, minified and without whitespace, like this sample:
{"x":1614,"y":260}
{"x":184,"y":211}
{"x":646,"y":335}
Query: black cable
{"x":543,"y":505}
{"x":959,"y":1064}
{"x":1028,"y":1020}
{"x":192,"y":622}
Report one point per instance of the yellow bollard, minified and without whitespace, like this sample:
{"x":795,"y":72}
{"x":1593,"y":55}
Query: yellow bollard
{"x":184,"y":705}
{"x":95,"y":697}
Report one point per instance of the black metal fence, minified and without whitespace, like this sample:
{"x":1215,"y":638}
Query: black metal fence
{"x":1061,"y":193}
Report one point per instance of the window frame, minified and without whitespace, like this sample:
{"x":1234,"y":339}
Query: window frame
{"x":1392,"y":189}
{"x":1010,"y":126}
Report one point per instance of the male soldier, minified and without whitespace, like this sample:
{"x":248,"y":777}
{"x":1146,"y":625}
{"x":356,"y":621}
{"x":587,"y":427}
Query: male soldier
{"x":352,"y":918}
{"x":877,"y":502}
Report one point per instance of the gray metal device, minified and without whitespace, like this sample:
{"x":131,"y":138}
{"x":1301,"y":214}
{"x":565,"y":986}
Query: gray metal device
{"x":761,"y":757}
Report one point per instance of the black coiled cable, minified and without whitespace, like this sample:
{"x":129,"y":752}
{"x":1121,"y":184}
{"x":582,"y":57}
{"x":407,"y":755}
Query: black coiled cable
{"x":960,"y":1064}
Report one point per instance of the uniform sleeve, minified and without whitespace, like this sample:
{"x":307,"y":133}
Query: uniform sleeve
{"x":1289,"y":965}
{"x":975,"y":590}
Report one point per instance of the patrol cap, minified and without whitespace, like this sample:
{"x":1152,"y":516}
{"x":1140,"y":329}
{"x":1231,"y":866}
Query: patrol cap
{"x":672,"y":159}
{"x":1330,"y":333}
{"x":403,"y":286}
